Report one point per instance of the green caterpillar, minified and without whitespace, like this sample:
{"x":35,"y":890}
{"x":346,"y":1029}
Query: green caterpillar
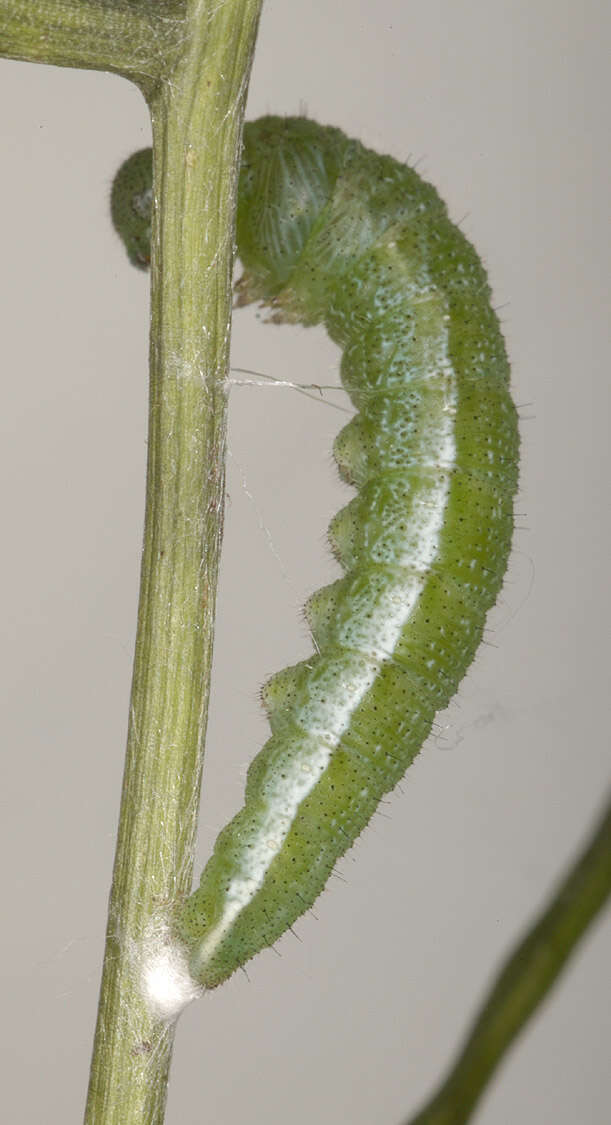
{"x":331,"y":232}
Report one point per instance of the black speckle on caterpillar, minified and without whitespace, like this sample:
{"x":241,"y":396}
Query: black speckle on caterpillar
{"x":331,"y":232}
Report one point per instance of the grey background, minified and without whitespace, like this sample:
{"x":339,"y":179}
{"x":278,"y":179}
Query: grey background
{"x":504,"y":105}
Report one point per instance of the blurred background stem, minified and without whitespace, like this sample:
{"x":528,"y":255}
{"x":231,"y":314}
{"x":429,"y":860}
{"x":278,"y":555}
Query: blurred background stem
{"x":525,"y":980}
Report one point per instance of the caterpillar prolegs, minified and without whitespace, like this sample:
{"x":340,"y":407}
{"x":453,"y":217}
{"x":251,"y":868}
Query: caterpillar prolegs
{"x":331,"y":232}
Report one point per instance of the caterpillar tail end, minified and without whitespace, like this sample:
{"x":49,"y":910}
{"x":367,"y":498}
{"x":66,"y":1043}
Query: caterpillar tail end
{"x":161,"y":962}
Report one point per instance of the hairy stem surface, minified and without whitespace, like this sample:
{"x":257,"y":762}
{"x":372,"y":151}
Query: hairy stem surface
{"x":524,"y":981}
{"x":135,"y":38}
{"x":197,"y":114}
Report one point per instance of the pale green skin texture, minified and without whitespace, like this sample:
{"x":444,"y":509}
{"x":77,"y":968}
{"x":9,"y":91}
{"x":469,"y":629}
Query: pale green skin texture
{"x":331,"y":232}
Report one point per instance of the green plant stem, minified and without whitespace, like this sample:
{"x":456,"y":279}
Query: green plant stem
{"x":135,"y":38}
{"x":191,"y":58}
{"x":525,"y":980}
{"x":197,"y":115}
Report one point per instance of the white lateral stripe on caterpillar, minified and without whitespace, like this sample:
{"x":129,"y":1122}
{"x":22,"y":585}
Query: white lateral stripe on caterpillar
{"x":273,"y":832}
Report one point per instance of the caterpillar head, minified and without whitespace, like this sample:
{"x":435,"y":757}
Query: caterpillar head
{"x":131,"y":205}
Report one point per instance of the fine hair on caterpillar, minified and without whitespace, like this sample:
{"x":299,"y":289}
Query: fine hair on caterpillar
{"x":330,"y":232}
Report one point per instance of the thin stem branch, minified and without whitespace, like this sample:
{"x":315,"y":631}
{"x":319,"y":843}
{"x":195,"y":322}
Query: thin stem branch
{"x":525,"y":981}
{"x":135,"y":38}
{"x":197,"y":116}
